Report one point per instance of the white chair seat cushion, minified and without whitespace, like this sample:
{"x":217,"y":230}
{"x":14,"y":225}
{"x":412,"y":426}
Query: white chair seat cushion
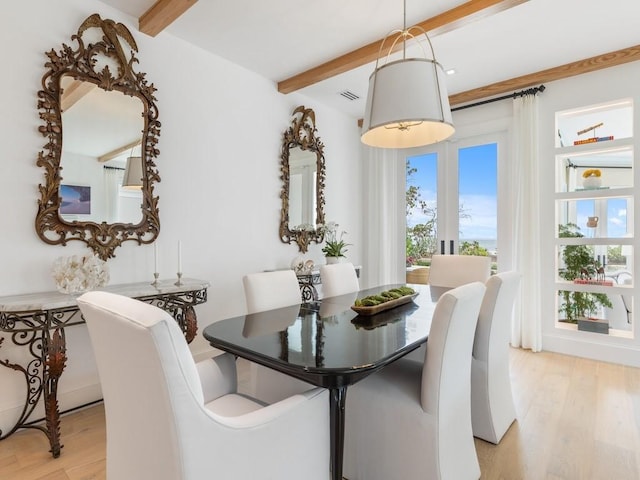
{"x":233,"y":405}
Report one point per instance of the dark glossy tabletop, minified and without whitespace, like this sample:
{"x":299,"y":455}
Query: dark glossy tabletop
{"x":325,"y":342}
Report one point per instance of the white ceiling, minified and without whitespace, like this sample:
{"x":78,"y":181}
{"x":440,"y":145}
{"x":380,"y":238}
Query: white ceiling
{"x":280,"y":38}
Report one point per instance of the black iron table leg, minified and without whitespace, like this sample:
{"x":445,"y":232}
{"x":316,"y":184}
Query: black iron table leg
{"x":336,"y":418}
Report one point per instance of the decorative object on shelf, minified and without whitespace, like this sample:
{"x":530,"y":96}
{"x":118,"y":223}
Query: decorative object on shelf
{"x":594,"y":138}
{"x":407,"y":105}
{"x":591,"y":178}
{"x":334,"y":246}
{"x":594,"y":325}
{"x":77,"y":274}
{"x":592,"y":222}
{"x":107,"y":67}
{"x":302,"y":266}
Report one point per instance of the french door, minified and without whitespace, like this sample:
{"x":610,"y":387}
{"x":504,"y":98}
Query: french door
{"x":457,"y":205}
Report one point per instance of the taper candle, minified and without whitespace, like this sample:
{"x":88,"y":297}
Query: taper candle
{"x":155,"y":257}
{"x":179,"y":256}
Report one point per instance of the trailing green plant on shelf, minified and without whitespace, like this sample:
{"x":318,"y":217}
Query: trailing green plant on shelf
{"x":577,"y":259}
{"x":334,"y":244}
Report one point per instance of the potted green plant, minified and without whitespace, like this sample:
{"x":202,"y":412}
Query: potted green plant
{"x":334,"y":244}
{"x":578,"y":259}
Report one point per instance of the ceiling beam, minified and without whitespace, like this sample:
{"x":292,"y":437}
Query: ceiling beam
{"x":73,"y":92}
{"x":450,"y":20}
{"x":162,"y":14}
{"x":606,"y":60}
{"x":118,"y":151}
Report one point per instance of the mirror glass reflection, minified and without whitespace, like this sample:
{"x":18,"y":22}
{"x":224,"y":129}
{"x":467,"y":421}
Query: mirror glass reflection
{"x":303,"y":169}
{"x":101,"y":130}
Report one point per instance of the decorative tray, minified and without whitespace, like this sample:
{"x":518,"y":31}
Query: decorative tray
{"x":388,"y":305}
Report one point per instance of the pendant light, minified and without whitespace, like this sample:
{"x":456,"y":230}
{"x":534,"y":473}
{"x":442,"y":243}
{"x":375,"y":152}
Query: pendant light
{"x":133,"y":174}
{"x":407,"y":104}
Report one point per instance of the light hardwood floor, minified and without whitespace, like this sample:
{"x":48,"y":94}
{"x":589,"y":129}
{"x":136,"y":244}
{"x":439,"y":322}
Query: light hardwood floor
{"x":577,"y":419}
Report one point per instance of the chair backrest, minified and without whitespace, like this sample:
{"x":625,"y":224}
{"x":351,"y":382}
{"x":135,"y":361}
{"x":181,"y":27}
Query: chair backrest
{"x":271,"y":290}
{"x":148,"y":378}
{"x":494,"y":321}
{"x":452,"y":271}
{"x":338,"y":279}
{"x":446,"y":376}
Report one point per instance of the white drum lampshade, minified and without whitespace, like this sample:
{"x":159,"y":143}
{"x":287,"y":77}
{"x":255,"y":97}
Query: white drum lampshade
{"x":407,"y":105}
{"x":133,"y":174}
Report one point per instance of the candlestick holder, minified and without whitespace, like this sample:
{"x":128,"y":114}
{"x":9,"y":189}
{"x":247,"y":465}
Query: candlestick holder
{"x":155,"y":279}
{"x":179,"y":282}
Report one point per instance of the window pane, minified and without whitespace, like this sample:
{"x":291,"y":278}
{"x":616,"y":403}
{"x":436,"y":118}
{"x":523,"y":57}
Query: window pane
{"x":422,"y":180}
{"x":477,"y":172}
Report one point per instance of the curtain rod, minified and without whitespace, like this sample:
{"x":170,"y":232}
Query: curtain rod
{"x":107,"y":167}
{"x":521,"y":93}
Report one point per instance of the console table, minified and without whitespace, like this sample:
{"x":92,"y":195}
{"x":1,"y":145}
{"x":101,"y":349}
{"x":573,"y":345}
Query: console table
{"x":37,"y":321}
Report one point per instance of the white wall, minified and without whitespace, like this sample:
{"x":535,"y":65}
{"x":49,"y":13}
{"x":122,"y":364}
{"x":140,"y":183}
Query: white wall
{"x":219,"y":163}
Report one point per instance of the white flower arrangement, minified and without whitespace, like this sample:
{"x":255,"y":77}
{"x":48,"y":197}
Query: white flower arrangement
{"x":334,"y":246}
{"x":79,"y":273}
{"x":304,"y":227}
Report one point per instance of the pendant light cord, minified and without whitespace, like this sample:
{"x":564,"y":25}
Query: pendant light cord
{"x":404,"y":30}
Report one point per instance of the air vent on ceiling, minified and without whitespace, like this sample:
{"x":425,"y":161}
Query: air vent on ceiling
{"x":349,"y":95}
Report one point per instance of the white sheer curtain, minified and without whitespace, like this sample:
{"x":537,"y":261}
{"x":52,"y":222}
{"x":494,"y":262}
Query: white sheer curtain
{"x":527,"y":325}
{"x":112,"y":181}
{"x":384,"y":224}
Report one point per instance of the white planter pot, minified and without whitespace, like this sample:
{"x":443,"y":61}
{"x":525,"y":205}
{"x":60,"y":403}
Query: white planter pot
{"x":592,"y":182}
{"x":332,"y":260}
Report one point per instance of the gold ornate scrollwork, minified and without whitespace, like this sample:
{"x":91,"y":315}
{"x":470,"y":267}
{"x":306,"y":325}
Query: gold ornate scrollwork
{"x":302,"y":134}
{"x":83,"y":65}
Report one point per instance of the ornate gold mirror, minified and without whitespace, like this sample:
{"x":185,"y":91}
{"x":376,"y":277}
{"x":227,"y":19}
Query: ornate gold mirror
{"x":303,"y":176}
{"x":108,"y":113}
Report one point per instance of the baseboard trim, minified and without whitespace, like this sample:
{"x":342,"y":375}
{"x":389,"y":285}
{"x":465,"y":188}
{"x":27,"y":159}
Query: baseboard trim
{"x":628,"y":355}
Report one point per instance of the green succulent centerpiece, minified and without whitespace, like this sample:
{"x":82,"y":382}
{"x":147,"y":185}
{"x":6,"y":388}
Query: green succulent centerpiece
{"x":334,"y":243}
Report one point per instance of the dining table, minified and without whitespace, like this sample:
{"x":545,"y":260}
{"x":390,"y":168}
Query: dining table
{"x":328,"y":344}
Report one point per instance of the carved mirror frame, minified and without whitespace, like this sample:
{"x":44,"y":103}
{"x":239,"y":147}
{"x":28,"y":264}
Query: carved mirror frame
{"x":302,"y":133}
{"x":83,"y":64}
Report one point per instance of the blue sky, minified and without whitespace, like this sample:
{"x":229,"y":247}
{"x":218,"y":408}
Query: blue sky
{"x":477,"y":188}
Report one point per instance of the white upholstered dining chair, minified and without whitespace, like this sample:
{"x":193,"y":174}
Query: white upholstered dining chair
{"x":169,"y":418}
{"x":492,"y":409}
{"x":451,"y":271}
{"x":338,"y":279}
{"x":271,"y":290}
{"x":268,"y":291}
{"x":412,"y":420}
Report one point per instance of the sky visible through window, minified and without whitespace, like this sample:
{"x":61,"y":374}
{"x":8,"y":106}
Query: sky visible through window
{"x":477,"y":187}
{"x":616,"y":225}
